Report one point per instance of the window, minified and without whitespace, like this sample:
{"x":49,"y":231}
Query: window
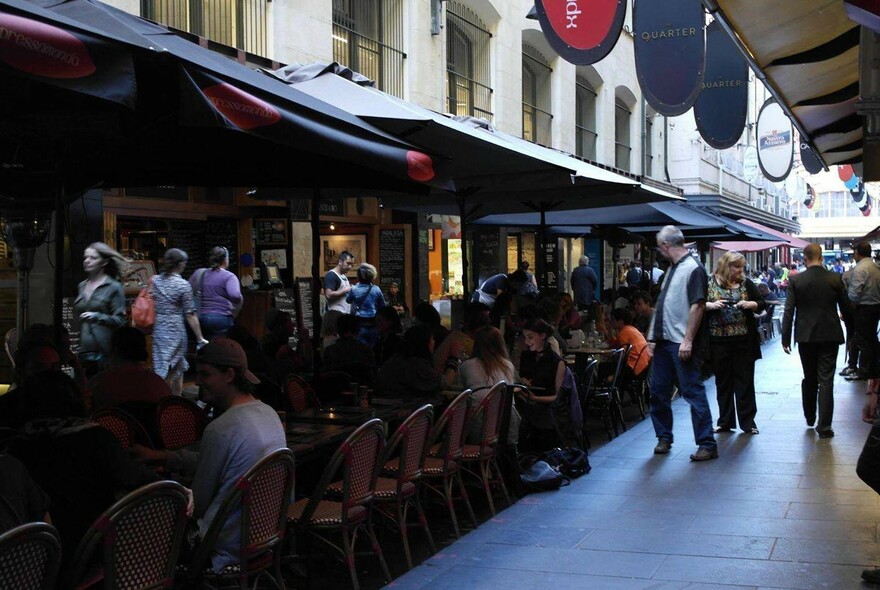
{"x":585,"y":119}
{"x":368,"y":38}
{"x":622,"y":148}
{"x":649,"y":145}
{"x":537,"y":118}
{"x":468,"y":84}
{"x":236,"y":23}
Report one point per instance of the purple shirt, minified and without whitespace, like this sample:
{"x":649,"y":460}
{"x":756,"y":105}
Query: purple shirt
{"x":220,"y":291}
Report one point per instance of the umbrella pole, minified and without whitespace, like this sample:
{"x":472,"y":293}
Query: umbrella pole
{"x":59,"y":264}
{"x":541,"y":262}
{"x":316,"y":276}
{"x":465,"y":275}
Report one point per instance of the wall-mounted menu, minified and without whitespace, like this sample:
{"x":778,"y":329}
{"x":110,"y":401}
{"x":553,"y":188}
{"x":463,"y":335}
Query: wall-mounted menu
{"x":197,"y":237}
{"x":271,"y":231}
{"x":305,"y":296}
{"x":487,"y":250}
{"x":285,"y":300}
{"x":71,"y":322}
{"x":551,"y":264}
{"x":392,"y":258}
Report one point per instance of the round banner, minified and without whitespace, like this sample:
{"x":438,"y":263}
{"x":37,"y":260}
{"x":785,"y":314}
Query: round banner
{"x":669,"y":52}
{"x":775,"y":145}
{"x":582,"y":32}
{"x":722,"y":106}
{"x":812,"y":197}
{"x":845,"y":172}
{"x":809,"y":160}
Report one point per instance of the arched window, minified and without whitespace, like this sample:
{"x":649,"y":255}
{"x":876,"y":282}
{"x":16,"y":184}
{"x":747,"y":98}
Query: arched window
{"x":649,"y":144}
{"x":468,"y":80}
{"x":585,"y":119}
{"x":537,"y":118}
{"x":368,"y":38}
{"x":622,"y":131}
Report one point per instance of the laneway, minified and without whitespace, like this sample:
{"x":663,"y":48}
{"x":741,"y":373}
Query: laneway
{"x":782,"y":509}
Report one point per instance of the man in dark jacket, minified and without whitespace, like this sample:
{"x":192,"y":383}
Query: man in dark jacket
{"x":814,"y":297}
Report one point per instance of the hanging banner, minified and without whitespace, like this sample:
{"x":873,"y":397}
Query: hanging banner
{"x":721,"y":108}
{"x":582,"y":32}
{"x":812,"y":198}
{"x":669,"y":53}
{"x":809,"y":160}
{"x":775,"y":141}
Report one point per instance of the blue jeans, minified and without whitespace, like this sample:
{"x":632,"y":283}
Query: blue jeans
{"x":215,"y":324}
{"x":666,"y":367}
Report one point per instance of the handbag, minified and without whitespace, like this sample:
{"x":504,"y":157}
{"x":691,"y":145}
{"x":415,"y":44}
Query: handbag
{"x":541,"y":477}
{"x":143,"y":310}
{"x":571,"y":462}
{"x":197,"y":296}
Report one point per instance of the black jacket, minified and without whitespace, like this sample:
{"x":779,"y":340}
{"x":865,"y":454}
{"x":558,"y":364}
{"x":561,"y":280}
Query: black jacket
{"x":811,"y":305}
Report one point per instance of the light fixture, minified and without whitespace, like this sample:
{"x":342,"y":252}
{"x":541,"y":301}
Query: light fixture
{"x":332,"y":227}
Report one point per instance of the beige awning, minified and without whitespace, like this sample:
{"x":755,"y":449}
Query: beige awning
{"x":808,"y":51}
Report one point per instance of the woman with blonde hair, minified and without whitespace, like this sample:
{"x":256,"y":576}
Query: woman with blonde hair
{"x":734,"y":342}
{"x":365,"y":298}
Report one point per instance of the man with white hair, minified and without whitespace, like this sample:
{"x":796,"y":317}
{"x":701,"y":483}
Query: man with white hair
{"x":583,"y":283}
{"x":674,"y":331}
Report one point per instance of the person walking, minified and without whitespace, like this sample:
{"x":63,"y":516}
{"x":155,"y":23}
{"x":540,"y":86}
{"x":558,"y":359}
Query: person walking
{"x":217,"y":294}
{"x":674,"y":330}
{"x":583,"y":283}
{"x":100,"y":304}
{"x":172,"y":297}
{"x":734,"y":342}
{"x":336,"y":285}
{"x":814,"y":298}
{"x":863,"y":290}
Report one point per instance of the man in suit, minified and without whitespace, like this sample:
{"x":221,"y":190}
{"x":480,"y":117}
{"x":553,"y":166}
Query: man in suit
{"x":814,"y":297}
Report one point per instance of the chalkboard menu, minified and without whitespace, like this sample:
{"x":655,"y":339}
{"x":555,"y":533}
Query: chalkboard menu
{"x":197,"y":237}
{"x":271,"y":231}
{"x":487,"y":250}
{"x":392,"y":257}
{"x":305,"y":296}
{"x":551,"y":264}
{"x":70,"y":321}
{"x":285,"y":300}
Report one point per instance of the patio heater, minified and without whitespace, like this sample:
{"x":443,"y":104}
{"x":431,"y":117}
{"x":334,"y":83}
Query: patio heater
{"x":24,"y":232}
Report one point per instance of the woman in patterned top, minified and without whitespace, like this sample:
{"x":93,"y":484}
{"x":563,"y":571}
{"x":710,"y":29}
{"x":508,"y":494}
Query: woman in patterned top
{"x":734,"y":342}
{"x":173,"y":298}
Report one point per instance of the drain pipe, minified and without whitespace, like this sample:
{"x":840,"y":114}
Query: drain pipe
{"x":666,"y":148}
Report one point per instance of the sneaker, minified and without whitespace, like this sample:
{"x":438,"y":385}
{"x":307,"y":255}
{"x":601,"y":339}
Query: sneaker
{"x":663,"y":447}
{"x":705,"y":454}
{"x":856,"y":376}
{"x":753,"y":430}
{"x":848,"y":371}
{"x":718,"y":429}
{"x":872,"y":575}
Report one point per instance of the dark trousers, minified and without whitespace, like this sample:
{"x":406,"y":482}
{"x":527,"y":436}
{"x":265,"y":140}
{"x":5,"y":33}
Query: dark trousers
{"x":852,"y":350}
{"x":734,"y":368}
{"x":818,"y":360}
{"x":868,"y":467}
{"x":866,"y":320}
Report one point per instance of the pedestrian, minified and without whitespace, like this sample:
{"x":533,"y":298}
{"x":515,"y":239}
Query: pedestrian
{"x":172,"y":297}
{"x":216,"y":294}
{"x":734,"y":342}
{"x":490,"y":289}
{"x":336,"y":285}
{"x":100,"y":304}
{"x":863,"y":290}
{"x":634,"y":275}
{"x":365,"y":298}
{"x":583,"y":283}
{"x":814,"y":298}
{"x":675,"y":331}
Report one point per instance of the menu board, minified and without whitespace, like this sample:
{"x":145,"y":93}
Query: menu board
{"x":392,"y":258}
{"x":271,"y":231}
{"x":550,"y":255}
{"x":70,"y":321}
{"x":487,"y":248}
{"x":285,"y":300}
{"x":197,"y":237}
{"x":305,"y":296}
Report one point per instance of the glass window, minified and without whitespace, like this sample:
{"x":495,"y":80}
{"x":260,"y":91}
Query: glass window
{"x":537,"y":119}
{"x":623,"y":149}
{"x":585,"y":119}
{"x":649,"y":146}
{"x":368,"y":38}
{"x":468,"y":83}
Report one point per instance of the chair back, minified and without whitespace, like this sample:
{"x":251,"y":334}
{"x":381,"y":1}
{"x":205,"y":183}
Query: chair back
{"x":263,"y":494}
{"x":300,"y":394}
{"x":331,"y":385}
{"x":409,"y":444}
{"x":122,"y":425}
{"x":10,"y":343}
{"x":449,"y":429}
{"x":29,"y":557}
{"x":180,"y":422}
{"x":588,"y":376}
{"x":616,"y":361}
{"x":488,"y":412}
{"x":139,"y":538}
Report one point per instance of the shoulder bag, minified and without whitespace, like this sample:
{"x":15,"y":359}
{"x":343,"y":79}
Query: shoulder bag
{"x":143,"y":310}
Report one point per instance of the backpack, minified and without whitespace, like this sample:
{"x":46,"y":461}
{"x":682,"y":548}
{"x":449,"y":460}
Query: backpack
{"x":571,"y":462}
{"x":541,"y":477}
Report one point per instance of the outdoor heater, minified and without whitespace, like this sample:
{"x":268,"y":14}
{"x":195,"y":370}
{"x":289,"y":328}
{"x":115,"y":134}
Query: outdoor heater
{"x":24,"y":232}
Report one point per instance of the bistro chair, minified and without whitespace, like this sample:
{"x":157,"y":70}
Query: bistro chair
{"x":300,"y":394}
{"x":320,"y":516}
{"x":606,"y":386}
{"x":399,"y":487}
{"x":135,"y":543}
{"x":484,"y":454}
{"x":444,"y":458}
{"x":180,"y":422}
{"x":588,"y":376}
{"x":30,"y":555}
{"x":122,"y":425}
{"x":10,"y":343}
{"x":637,"y":388}
{"x":263,"y":496}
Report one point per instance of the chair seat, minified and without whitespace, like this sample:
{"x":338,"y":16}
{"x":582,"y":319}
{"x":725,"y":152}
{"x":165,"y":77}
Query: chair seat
{"x":327,"y":513}
{"x":391,"y":467}
{"x":434,"y":466}
{"x":476,"y":452}
{"x":434,"y":451}
{"x":386,"y":488}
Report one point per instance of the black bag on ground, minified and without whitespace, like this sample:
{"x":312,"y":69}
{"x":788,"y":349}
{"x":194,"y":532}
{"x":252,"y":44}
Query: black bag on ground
{"x":539,"y":476}
{"x":571,"y":462}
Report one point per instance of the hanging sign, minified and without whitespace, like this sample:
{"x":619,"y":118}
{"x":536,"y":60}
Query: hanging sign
{"x":809,"y":160}
{"x":669,"y":53}
{"x":812,"y":198}
{"x":775,"y":145}
{"x":582,"y":32}
{"x":722,"y":106}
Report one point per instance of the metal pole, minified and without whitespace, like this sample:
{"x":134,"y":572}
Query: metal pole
{"x":465,"y":275}
{"x":59,"y":263}
{"x":316,"y":274}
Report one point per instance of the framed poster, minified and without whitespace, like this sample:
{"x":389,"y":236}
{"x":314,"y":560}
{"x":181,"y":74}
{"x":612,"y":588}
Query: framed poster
{"x":333,"y":246}
{"x":271,"y":231}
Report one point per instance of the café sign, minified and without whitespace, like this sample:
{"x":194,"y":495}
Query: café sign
{"x":582,"y":32}
{"x":722,"y":106}
{"x":775,"y":145}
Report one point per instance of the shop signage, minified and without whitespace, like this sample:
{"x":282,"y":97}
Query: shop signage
{"x":722,"y":106}
{"x":775,"y":141}
{"x":582,"y":32}
{"x":331,"y":206}
{"x":750,"y":163}
{"x":551,"y":265}
{"x":809,"y":160}
{"x":392,"y":258}
{"x":669,"y":53}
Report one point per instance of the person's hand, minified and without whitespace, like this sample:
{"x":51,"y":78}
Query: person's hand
{"x":200,"y":344}
{"x":747,"y":305}
{"x":190,"y":503}
{"x":714,"y":305}
{"x":686,"y":349}
{"x":786,"y":349}
{"x":88,"y":315}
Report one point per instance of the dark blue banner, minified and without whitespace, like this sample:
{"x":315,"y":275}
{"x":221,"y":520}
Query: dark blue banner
{"x":669,"y":52}
{"x":722,"y":105}
{"x":809,"y":160}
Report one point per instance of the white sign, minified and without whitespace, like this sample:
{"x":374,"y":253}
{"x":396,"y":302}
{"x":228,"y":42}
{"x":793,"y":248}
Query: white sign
{"x":750,"y":163}
{"x":775,"y":141}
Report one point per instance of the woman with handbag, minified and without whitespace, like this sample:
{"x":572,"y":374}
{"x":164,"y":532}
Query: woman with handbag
{"x":365,"y":298}
{"x":173,"y":300}
{"x":100,"y":304}
{"x":216,"y":294}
